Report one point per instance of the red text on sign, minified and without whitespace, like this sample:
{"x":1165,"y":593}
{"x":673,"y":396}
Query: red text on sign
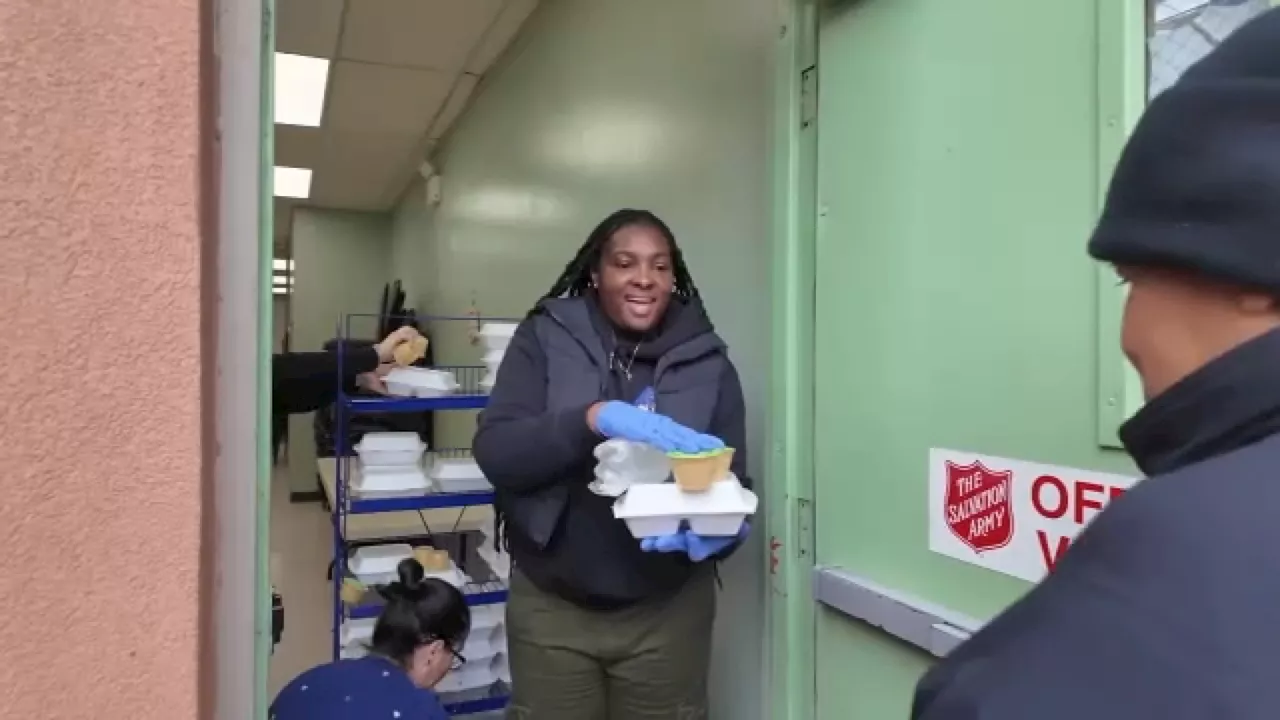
{"x":1053,"y":499}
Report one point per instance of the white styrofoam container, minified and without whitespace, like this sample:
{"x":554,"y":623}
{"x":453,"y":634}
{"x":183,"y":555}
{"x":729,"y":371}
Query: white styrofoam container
{"x":474,"y":675}
{"x":653,"y":510}
{"x":458,"y":475}
{"x":376,"y":564}
{"x":493,"y":358}
{"x":357,"y":633}
{"x":420,"y":382}
{"x":484,"y":643}
{"x":453,"y":575}
{"x":389,"y":480}
{"x":488,"y":617}
{"x":498,"y":331}
{"x":390,"y":448}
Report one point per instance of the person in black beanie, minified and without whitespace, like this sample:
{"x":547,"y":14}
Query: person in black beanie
{"x":1167,"y":607}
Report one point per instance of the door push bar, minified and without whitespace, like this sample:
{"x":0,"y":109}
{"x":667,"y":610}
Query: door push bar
{"x":932,"y":628}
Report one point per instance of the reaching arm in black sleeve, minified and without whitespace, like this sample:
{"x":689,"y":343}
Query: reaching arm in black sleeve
{"x":729,"y":423}
{"x":519,"y":444}
{"x":306,"y":381}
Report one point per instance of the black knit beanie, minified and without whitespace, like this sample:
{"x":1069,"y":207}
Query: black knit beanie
{"x":1197,"y":187}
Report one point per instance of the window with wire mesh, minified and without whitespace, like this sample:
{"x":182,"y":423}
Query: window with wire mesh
{"x":1180,"y":32}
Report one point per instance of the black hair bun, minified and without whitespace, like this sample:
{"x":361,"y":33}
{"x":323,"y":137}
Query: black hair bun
{"x":411,"y":586}
{"x":411,"y":573}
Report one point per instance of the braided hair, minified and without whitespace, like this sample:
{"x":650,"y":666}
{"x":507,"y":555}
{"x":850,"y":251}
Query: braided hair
{"x":576,"y":277}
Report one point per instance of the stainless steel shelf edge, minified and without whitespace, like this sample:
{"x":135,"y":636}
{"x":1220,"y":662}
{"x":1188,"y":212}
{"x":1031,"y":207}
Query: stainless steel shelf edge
{"x":930,"y":627}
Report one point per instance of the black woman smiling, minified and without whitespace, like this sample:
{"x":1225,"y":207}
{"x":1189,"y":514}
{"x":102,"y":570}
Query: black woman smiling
{"x":601,"y":625}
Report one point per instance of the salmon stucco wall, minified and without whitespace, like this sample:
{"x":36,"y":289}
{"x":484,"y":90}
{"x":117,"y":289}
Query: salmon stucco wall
{"x":100,"y":363}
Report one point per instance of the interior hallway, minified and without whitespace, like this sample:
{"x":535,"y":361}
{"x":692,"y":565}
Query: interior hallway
{"x":301,"y":543}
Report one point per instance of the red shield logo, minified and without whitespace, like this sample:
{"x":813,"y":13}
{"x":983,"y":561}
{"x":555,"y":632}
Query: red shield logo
{"x":979,"y":506}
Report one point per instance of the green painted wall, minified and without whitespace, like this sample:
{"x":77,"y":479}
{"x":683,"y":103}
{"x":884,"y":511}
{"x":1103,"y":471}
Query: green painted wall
{"x":962,"y":151}
{"x":602,"y":104}
{"x":341,"y":261}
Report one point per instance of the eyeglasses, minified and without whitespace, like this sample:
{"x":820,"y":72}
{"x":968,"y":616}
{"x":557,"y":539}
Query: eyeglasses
{"x":458,"y":659}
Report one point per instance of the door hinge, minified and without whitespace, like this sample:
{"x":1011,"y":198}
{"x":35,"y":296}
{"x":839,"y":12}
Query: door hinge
{"x":804,"y":530}
{"x":808,"y":96}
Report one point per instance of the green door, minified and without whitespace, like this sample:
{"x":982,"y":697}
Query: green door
{"x":963,"y":149}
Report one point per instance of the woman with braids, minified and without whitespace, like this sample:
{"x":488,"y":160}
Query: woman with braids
{"x":415,"y":644}
{"x":600,"y":625}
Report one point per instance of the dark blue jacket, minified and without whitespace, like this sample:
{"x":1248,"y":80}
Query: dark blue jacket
{"x":535,"y":446}
{"x":1167,"y":607}
{"x":364,"y":689}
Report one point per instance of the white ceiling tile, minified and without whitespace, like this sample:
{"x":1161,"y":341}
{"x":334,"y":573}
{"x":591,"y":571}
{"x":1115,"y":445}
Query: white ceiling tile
{"x":309,"y":27}
{"x":361,"y":170}
{"x":454,"y":106}
{"x":379,"y":98}
{"x":500,"y":34}
{"x":297,"y":146}
{"x":430,"y":34}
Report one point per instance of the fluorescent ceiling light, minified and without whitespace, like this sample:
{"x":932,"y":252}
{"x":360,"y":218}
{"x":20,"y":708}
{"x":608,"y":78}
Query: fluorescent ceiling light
{"x":281,"y":280}
{"x":292,"y":182}
{"x":280,"y":290}
{"x":281,"y":264}
{"x":300,"y":84}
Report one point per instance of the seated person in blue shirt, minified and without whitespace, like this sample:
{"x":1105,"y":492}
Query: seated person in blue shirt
{"x":415,"y":644}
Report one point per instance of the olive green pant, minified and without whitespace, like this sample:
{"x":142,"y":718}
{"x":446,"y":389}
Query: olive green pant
{"x":647,"y":662}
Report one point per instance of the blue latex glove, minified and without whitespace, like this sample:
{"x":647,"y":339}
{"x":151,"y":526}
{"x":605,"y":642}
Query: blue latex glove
{"x":697,"y":547}
{"x":628,"y":422}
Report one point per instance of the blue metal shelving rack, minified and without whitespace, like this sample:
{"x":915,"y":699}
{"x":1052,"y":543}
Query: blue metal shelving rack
{"x":485,"y":588}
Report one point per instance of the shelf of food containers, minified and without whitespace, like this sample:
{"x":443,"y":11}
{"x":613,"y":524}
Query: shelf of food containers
{"x":415,"y":389}
{"x":388,"y":476}
{"x":375,"y":565}
{"x":413,"y":520}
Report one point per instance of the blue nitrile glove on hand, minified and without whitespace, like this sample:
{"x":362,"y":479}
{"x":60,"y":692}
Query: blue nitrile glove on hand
{"x":622,"y":420}
{"x":698,"y":548}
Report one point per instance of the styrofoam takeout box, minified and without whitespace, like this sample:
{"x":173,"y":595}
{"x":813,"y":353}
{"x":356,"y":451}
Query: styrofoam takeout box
{"x":393,"y":449}
{"x":458,"y":475}
{"x":497,"y":332}
{"x":376,"y":565}
{"x":420,"y":382}
{"x":485,"y":643}
{"x":488,"y":617}
{"x":389,"y":480}
{"x":472,"y":675}
{"x":654,"y":510}
{"x":357,"y":632}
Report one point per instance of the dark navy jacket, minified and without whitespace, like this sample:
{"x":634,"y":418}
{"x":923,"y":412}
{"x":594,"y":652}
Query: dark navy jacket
{"x":364,"y":689}
{"x":534,"y":444}
{"x":1167,"y":607}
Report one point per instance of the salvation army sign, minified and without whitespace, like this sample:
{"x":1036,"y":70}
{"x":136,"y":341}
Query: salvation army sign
{"x":1011,"y":516}
{"x":978,"y":505}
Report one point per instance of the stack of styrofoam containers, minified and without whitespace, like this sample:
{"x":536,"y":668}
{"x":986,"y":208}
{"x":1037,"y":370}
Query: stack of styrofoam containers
{"x":656,"y":510}
{"x":485,"y":652}
{"x":457,"y":475}
{"x":390,"y":463}
{"x":495,"y":337}
{"x":420,"y":382}
{"x":475,"y":674}
{"x":376,"y":565}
